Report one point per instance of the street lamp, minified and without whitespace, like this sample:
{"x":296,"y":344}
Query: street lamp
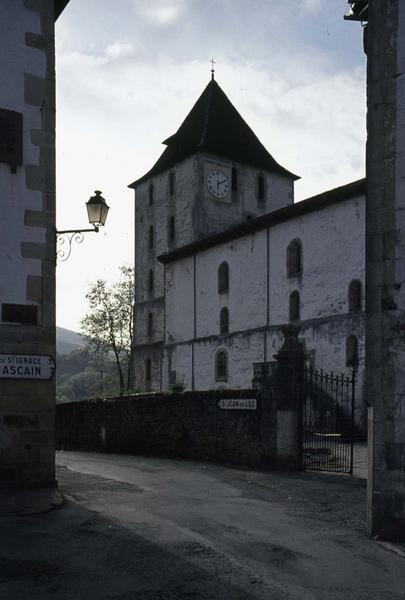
{"x":97,"y":211}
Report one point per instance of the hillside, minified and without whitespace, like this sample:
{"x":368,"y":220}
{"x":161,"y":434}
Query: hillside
{"x":68,"y":341}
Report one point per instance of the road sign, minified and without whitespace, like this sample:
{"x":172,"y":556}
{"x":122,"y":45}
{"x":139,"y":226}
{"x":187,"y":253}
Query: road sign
{"x":26,"y":366}
{"x":238,"y":403}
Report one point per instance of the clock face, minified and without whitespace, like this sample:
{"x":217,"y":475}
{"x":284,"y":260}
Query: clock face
{"x":217,"y":184}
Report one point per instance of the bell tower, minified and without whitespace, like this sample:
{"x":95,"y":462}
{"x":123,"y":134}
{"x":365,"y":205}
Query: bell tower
{"x":213,"y":174}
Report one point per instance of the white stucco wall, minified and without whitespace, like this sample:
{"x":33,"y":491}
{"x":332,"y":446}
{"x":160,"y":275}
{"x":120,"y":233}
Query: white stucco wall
{"x":16,"y":59}
{"x":242,"y":351}
{"x":179,"y":205}
{"x":180,"y":283}
{"x":333,"y":249}
{"x":333,"y":242}
{"x":246,"y":300}
{"x":212,"y":215}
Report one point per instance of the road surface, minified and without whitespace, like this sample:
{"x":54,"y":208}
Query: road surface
{"x":196,"y":530}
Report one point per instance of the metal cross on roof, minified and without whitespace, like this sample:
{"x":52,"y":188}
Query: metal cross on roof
{"x":212,"y":61}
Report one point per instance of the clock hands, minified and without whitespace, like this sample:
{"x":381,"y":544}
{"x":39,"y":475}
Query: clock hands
{"x":217,"y":183}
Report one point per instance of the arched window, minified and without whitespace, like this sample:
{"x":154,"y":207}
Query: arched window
{"x":151,"y":194}
{"x":148,"y":370}
{"x":294,"y":306}
{"x":172,"y":228}
{"x":354,"y":295}
{"x":294,"y":259}
{"x":352,"y":351}
{"x":221,"y":366}
{"x":151,"y":236}
{"x":223,"y":278}
{"x":224,"y":321}
{"x":150,"y":324}
{"x":150,"y":280}
{"x":261,"y":192}
{"x":234,"y":179}
{"x":172,"y":182}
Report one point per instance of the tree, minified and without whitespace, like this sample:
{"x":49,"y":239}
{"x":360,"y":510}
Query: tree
{"x":107,"y":327}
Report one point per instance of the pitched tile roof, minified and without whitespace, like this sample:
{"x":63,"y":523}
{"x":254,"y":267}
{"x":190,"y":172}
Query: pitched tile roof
{"x":214,"y":125}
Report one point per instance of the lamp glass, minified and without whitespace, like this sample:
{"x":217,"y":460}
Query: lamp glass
{"x":97,"y":209}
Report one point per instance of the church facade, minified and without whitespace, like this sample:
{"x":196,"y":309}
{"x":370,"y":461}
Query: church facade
{"x":224,"y":259}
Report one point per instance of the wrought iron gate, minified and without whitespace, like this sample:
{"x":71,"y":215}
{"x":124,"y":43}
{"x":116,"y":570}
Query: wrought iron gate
{"x":328,"y":421}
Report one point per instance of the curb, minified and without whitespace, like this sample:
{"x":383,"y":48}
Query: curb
{"x":23,"y":507}
{"x":393,"y":548}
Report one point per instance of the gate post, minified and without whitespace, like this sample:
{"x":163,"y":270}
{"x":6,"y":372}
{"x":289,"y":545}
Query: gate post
{"x":263,"y":382}
{"x":289,"y":398}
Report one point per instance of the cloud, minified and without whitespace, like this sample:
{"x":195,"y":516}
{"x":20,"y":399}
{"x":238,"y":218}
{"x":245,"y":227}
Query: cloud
{"x":120,"y":50}
{"x":162,"y":12}
{"x":311,"y":5}
{"x":302,"y":92}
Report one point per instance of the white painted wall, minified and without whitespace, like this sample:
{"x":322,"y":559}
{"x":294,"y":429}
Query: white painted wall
{"x":15,"y":59}
{"x":242,"y":351}
{"x":333,"y":254}
{"x":333,"y":249}
{"x":212,"y":215}
{"x":246,"y":300}
{"x":179,"y":283}
{"x":180,"y":205}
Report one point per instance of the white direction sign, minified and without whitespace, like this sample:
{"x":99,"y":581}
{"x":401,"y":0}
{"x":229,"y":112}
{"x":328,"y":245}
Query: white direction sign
{"x":238,"y":403}
{"x":26,"y":366}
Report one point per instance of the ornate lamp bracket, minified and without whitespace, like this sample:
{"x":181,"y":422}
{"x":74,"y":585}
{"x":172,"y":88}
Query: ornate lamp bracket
{"x":64,"y":240}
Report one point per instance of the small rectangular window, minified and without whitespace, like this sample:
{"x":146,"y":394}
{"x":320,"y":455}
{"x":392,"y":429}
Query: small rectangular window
{"x":23,"y":314}
{"x":221,"y":366}
{"x":150,"y":281}
{"x":172,"y":228}
{"x":150,"y":324}
{"x":148,"y":370}
{"x":234,"y":183}
{"x":151,"y":194}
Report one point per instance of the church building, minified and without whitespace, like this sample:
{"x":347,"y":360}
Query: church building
{"x":224,"y":259}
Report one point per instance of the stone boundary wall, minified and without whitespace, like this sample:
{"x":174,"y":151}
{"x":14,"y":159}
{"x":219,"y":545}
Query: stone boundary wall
{"x":186,"y":425}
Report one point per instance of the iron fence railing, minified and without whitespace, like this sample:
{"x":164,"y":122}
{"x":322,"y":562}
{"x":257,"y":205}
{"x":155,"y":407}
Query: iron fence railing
{"x":328,"y":420}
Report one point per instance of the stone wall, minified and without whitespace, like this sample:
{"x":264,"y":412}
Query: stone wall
{"x":385,"y":252}
{"x":196,"y":214}
{"x":189,"y":425}
{"x":27,"y":248}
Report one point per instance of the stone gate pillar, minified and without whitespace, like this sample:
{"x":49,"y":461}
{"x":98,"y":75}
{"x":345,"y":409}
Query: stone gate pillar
{"x":288,"y":395}
{"x":385,"y":267}
{"x":281,"y":396}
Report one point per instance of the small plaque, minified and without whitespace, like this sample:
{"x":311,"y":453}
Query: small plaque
{"x":11,"y":138}
{"x":238,"y":404}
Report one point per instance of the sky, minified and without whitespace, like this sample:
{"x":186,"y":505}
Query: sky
{"x":129,"y":71}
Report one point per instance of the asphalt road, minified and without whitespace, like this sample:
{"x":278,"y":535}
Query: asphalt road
{"x":266,"y":535}
{"x":151,"y":529}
